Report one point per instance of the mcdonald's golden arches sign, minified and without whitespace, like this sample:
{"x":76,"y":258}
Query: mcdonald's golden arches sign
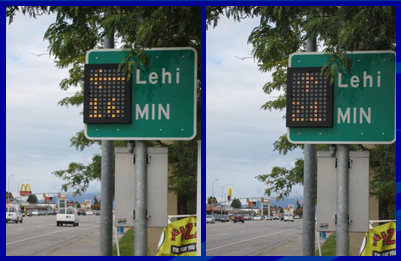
{"x":25,"y":190}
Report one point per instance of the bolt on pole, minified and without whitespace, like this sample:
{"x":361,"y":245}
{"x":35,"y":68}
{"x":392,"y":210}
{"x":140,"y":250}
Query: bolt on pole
{"x":308,"y":234}
{"x":107,"y":183}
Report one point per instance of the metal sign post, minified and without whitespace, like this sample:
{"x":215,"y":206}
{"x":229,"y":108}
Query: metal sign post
{"x":157,"y":102}
{"x":358,"y":109}
{"x":106,"y":214}
{"x":199,"y":201}
{"x":141,"y":206}
{"x":308,"y":238}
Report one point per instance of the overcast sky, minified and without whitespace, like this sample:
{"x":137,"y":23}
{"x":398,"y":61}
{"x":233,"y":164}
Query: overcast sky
{"x":38,"y":130}
{"x":240,"y":135}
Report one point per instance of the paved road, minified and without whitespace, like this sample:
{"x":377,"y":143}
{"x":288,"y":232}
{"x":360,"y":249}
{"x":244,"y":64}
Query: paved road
{"x":253,"y":238}
{"x":40,"y":236}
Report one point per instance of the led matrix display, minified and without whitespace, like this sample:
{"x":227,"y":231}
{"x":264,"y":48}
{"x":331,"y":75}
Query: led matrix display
{"x":309,"y":98}
{"x":107,"y":94}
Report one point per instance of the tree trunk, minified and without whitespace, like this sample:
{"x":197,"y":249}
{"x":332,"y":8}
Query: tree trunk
{"x":383,"y":210}
{"x":182,"y":205}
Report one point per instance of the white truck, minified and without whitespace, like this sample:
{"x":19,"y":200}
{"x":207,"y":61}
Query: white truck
{"x":14,"y":213}
{"x":68,"y":216}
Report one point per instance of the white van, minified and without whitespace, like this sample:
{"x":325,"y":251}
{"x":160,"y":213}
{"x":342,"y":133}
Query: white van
{"x":14,"y":213}
{"x":67,"y":216}
{"x":288,"y":217}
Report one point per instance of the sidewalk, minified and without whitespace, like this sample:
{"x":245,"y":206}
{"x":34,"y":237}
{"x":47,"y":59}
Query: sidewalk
{"x":86,"y":246}
{"x":292,"y":247}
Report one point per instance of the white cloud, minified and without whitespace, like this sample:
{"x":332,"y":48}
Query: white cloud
{"x":240,"y":135}
{"x":38,"y":131}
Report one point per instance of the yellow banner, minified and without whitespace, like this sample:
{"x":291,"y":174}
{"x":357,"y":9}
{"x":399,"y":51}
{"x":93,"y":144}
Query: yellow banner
{"x":380,"y":241}
{"x":179,"y":238}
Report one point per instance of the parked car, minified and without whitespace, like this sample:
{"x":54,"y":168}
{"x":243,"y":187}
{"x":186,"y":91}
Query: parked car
{"x":224,"y":218}
{"x":238,"y":218}
{"x":14,"y":213}
{"x":247,"y":217}
{"x":42,"y":213}
{"x":51,"y":212}
{"x":67,"y":216}
{"x":89,"y":213}
{"x":210,"y":219}
{"x":35,"y":212}
{"x":288,"y":217}
{"x":258,"y":217}
{"x":98,"y":213}
{"x":269,"y":218}
{"x":28,"y":213}
{"x":81,"y":212}
{"x":276,"y":217}
{"x":296,"y":217}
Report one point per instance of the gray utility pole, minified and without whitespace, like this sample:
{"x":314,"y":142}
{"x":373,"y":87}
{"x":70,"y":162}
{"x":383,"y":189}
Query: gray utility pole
{"x":141,"y":199}
{"x":107,"y":183}
{"x":342,"y":199}
{"x":308,"y":233}
{"x":213,"y":194}
{"x":222,"y":198}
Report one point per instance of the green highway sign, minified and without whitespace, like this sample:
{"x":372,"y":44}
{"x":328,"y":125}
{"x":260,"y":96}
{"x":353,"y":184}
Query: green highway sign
{"x":363,"y":107}
{"x":154,"y":104}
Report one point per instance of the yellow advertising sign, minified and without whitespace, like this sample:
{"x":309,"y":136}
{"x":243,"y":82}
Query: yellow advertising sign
{"x":25,"y":190}
{"x":179,"y":238}
{"x":380,"y":241}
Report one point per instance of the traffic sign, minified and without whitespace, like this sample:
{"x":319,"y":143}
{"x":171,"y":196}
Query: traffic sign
{"x":158,"y":104}
{"x":364,"y":109}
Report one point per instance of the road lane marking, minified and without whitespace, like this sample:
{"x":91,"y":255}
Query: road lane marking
{"x":243,"y":241}
{"x":27,"y":239}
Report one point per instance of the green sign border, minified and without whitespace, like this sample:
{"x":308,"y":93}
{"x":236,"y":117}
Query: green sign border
{"x":317,"y":135}
{"x":118,"y":131}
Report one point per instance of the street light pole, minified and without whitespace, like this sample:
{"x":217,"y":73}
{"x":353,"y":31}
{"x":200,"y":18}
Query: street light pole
{"x":213,"y":194}
{"x":222,"y":189}
{"x":8,"y":195}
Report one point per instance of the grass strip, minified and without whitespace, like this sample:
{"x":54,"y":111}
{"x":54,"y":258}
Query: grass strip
{"x":126,"y":244}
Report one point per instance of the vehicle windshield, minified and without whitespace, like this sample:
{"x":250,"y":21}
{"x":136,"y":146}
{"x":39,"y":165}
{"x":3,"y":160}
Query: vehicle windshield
{"x":70,"y":211}
{"x":10,"y":209}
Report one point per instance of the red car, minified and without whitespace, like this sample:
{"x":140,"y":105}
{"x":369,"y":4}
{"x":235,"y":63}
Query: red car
{"x":238,"y":218}
{"x":81,"y":212}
